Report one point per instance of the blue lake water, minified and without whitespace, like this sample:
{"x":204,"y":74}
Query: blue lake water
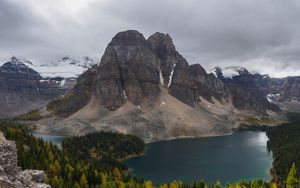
{"x":55,"y":139}
{"x":241,"y":155}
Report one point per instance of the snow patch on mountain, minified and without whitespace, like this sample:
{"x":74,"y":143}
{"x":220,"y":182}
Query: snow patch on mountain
{"x":67,"y":67}
{"x":171,"y":76}
{"x":271,"y":97}
{"x":229,"y":72}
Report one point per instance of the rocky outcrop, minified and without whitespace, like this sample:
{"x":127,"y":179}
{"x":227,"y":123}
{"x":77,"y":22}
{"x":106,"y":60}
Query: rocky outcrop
{"x":11,"y":176}
{"x":162,"y":45}
{"x":133,"y":68}
{"x":283,"y":91}
{"x":25,"y":86}
{"x":248,"y":91}
{"x":128,"y":70}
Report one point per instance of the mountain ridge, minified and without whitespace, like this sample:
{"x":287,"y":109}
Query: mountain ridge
{"x":25,"y":87}
{"x":146,"y":88}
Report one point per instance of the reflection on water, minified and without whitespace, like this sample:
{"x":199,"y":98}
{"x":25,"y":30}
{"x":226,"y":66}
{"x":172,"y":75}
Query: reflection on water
{"x":242,"y":155}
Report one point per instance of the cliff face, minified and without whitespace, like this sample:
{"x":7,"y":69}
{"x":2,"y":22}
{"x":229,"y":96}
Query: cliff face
{"x":22,"y":89}
{"x":25,"y":86}
{"x":247,"y":90}
{"x":285,"y":92}
{"x":261,"y":92}
{"x":145,"y":87}
{"x":128,"y":69}
{"x":133,"y":69}
{"x":11,"y":176}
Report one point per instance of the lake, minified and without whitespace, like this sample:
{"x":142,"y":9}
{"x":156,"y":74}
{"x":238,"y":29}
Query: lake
{"x":241,"y":155}
{"x":55,"y":139}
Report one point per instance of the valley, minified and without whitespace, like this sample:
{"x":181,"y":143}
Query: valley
{"x":92,"y":130}
{"x":149,"y":94}
{"x":188,"y":160}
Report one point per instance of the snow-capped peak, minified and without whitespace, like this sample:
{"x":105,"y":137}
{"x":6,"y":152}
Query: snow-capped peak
{"x":18,"y":61}
{"x":67,"y":67}
{"x":81,"y":61}
{"x":229,"y":72}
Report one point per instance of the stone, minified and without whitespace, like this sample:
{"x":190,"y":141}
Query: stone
{"x":11,"y":176}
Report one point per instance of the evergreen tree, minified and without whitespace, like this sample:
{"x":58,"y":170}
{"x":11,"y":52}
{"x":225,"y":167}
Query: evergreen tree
{"x":148,"y":184}
{"x":83,"y":182}
{"x":273,"y":185}
{"x":291,"y":180}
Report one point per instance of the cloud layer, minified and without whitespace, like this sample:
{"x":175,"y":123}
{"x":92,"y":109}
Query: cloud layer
{"x":263,"y":35}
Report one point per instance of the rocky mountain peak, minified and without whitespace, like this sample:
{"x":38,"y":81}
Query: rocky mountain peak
{"x":133,"y":68}
{"x":229,"y":72}
{"x":198,"y":69}
{"x":15,"y":64}
{"x":128,"y":38}
{"x":128,"y":71}
{"x":162,"y":45}
{"x":84,"y":62}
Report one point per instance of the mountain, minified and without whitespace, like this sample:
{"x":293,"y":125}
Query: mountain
{"x":146,"y":88}
{"x":282,"y":92}
{"x":285,"y":92}
{"x":67,"y":67}
{"x":229,"y":72}
{"x":25,"y":86}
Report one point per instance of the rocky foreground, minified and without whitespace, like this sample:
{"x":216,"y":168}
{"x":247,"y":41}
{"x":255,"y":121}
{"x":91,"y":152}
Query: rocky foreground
{"x":11,"y":176}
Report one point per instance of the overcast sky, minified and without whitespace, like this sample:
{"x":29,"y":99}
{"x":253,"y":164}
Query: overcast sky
{"x":262,"y":35}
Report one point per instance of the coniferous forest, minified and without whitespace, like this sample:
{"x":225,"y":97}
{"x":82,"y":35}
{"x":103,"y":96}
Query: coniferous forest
{"x":284,"y":142}
{"x":95,"y":160}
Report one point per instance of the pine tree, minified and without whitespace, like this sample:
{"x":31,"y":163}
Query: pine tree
{"x":291,"y":180}
{"x":117,"y":174}
{"x":273,"y":185}
{"x":218,"y":184}
{"x":83,"y":181}
{"x":148,"y":184}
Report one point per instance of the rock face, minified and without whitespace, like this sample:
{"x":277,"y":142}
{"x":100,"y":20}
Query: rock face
{"x":128,"y":69}
{"x":22,"y":89}
{"x":145,"y":87}
{"x":11,"y":176}
{"x":284,"y":92}
{"x":247,"y":89}
{"x":133,"y":69}
{"x":25,"y":86}
{"x":253,"y":90}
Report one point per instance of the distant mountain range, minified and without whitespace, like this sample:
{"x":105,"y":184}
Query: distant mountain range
{"x":284,"y":92}
{"x":26,"y":86}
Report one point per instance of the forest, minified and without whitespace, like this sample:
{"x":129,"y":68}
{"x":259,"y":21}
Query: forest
{"x":104,"y":149}
{"x":284,"y":142}
{"x":102,"y":167}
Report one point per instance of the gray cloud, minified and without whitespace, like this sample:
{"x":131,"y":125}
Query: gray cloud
{"x":263,"y":35}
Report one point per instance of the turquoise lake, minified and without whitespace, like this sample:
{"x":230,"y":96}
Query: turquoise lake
{"x":241,"y":155}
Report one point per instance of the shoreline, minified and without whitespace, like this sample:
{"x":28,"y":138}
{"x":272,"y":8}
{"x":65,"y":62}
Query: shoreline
{"x":232,"y":131}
